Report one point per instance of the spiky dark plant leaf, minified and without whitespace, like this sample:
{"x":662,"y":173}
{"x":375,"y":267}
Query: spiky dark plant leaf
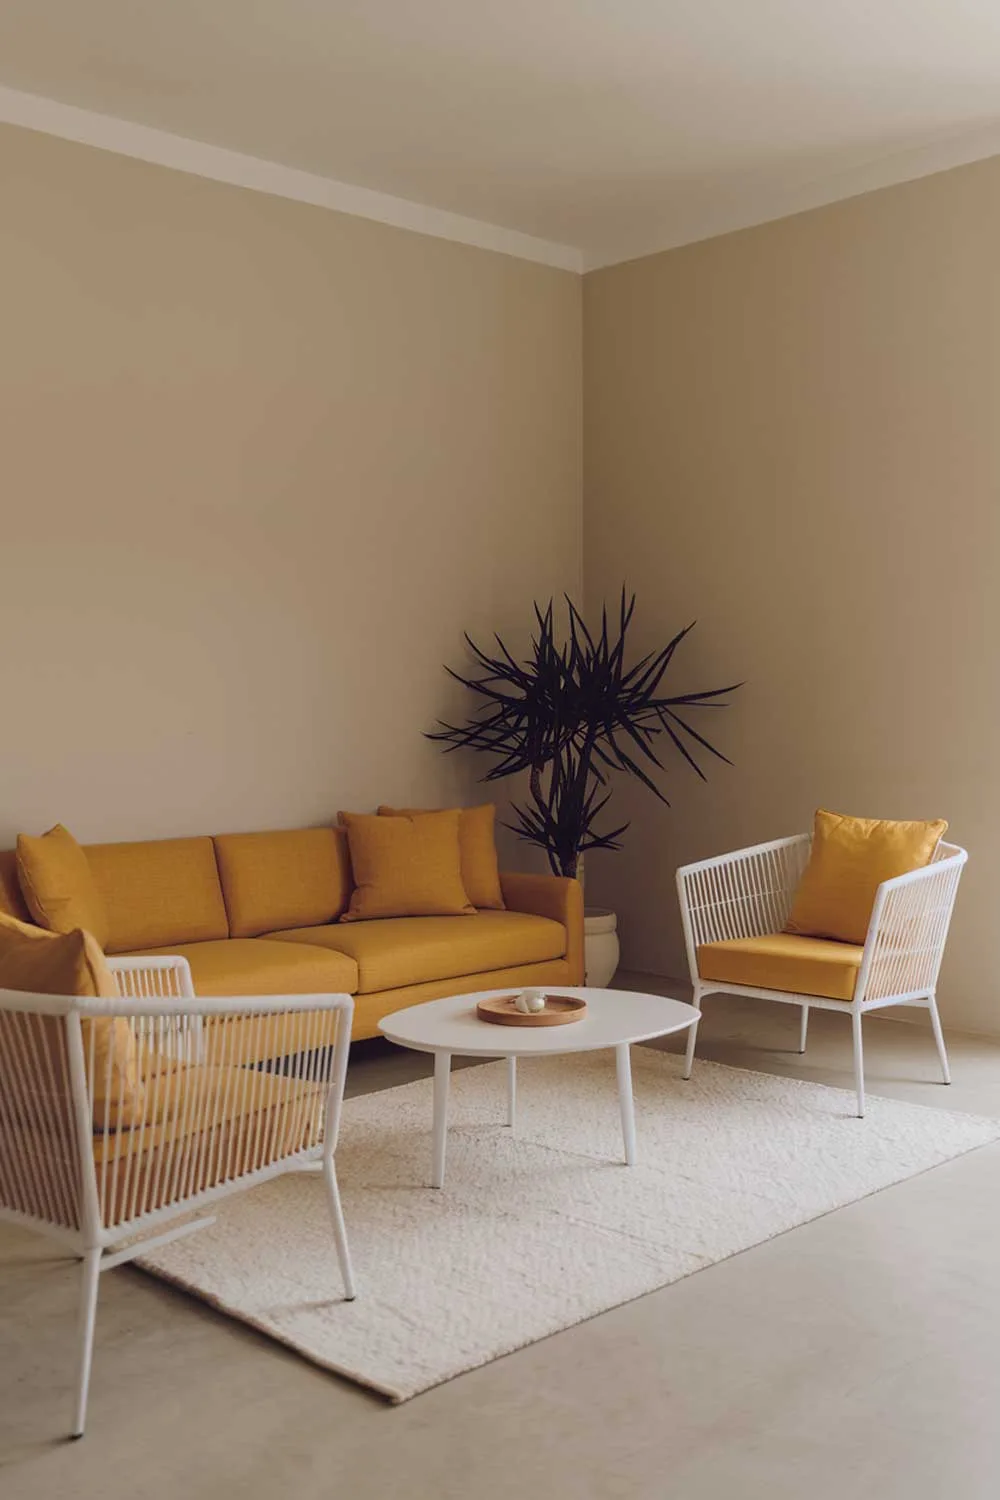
{"x":571,"y":714}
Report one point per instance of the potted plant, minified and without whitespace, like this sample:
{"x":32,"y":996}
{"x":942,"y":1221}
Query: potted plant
{"x":569,"y":716}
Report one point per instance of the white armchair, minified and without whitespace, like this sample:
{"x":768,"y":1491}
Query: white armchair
{"x":198,"y":1129}
{"x":748,"y":894}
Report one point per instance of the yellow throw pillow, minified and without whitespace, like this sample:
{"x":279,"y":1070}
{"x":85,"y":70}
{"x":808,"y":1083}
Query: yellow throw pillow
{"x":477,"y":848}
{"x":47,"y":963}
{"x":850,"y":859}
{"x":58,"y":884}
{"x":405,"y":867}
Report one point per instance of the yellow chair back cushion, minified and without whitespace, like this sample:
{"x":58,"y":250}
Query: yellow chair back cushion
{"x":850,"y":859}
{"x":299,"y":877}
{"x":46,"y":963}
{"x":405,"y":867}
{"x":12,"y":902}
{"x":477,"y":851}
{"x":58,"y":884}
{"x":157,"y":892}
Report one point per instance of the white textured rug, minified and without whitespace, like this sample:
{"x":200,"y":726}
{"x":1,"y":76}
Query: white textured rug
{"x":536,"y":1231}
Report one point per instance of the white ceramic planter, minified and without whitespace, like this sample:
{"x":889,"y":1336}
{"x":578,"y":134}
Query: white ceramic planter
{"x":601,"y":950}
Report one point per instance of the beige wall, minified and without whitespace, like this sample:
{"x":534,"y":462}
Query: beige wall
{"x":261,"y":465}
{"x":792,"y":434}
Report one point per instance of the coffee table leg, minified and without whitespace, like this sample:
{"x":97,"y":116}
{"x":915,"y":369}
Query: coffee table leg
{"x":442,"y":1077}
{"x":626,"y":1103}
{"x":511,"y":1091}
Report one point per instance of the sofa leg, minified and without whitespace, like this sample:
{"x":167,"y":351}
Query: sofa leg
{"x":803,"y":1028}
{"x":90,"y":1280}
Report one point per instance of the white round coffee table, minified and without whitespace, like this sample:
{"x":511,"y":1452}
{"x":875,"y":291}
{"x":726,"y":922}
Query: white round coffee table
{"x":615,"y":1018}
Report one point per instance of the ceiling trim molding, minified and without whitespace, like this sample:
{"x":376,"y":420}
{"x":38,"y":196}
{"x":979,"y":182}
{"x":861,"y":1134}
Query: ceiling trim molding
{"x":127,"y":138}
{"x":220,"y":164}
{"x":752,"y":209}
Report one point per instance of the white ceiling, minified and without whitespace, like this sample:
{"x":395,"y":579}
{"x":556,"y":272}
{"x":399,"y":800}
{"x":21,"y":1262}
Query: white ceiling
{"x":615,"y":126}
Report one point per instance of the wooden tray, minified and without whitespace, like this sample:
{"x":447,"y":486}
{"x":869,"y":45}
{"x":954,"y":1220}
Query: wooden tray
{"x":559,"y":1009}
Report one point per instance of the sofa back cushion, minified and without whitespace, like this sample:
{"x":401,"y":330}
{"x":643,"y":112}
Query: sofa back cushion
{"x":159,"y":892}
{"x":297,"y":877}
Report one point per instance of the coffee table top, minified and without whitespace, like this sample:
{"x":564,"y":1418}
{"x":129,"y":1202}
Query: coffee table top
{"x":613,"y":1017}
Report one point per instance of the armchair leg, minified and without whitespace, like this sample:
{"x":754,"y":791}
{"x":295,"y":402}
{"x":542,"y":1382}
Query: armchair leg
{"x":90,"y":1279}
{"x":339,"y":1228}
{"x":939,"y":1038}
{"x":803,"y":1028}
{"x":859,"y":1063}
{"x":692,"y":1037}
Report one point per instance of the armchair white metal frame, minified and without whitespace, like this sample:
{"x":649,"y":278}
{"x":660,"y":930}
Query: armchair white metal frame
{"x":108,"y":1212}
{"x":749,"y":893}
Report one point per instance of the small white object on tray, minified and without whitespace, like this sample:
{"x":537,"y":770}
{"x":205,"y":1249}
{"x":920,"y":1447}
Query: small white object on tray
{"x":530,"y":1002}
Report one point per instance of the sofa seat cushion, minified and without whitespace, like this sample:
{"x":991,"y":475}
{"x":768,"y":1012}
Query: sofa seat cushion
{"x":784,"y":961}
{"x":257,"y":966}
{"x":395,"y":951}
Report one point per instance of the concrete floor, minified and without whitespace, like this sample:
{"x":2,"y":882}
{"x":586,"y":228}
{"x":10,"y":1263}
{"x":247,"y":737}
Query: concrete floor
{"x":855,"y":1356}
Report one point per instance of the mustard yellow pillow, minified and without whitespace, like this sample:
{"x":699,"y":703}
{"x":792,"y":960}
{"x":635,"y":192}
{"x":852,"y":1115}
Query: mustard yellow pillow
{"x":58,"y":884}
{"x":405,"y":867}
{"x":47,"y":963}
{"x":850,"y":859}
{"x":477,"y":849}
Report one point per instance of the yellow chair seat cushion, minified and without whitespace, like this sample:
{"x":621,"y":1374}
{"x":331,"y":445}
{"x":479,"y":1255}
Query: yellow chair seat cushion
{"x":58,"y":884}
{"x":211,"y":1123}
{"x":849,"y":860}
{"x":477,"y":851}
{"x":405,"y":867}
{"x":412,"y":950}
{"x":784,"y":961}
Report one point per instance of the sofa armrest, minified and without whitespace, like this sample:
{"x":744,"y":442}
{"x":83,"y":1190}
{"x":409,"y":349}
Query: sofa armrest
{"x":556,"y":897}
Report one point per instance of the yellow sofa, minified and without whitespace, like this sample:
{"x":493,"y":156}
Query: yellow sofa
{"x":256,"y":914}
